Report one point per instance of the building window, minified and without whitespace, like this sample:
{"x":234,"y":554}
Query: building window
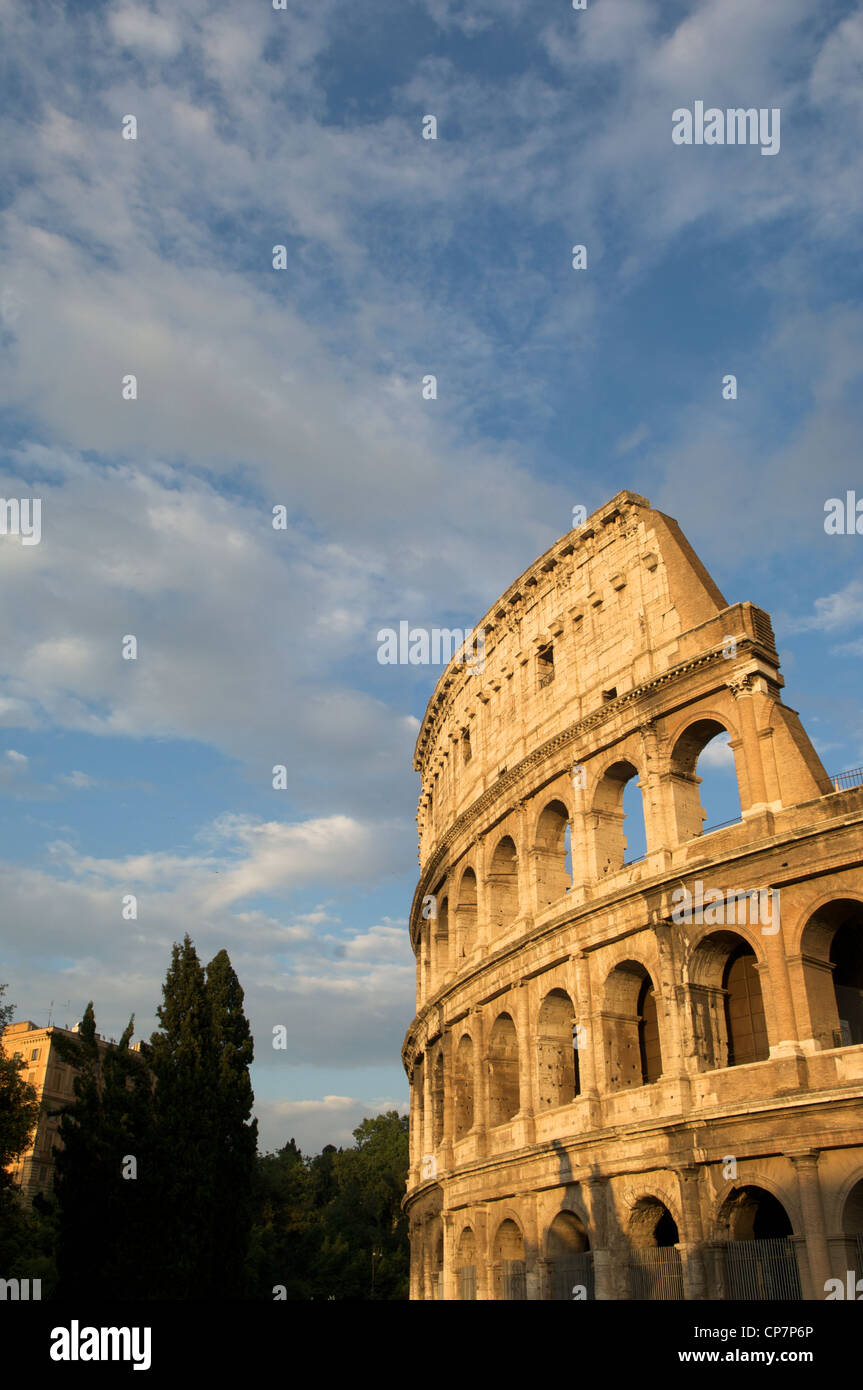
{"x":465,"y":746}
{"x":545,"y":666}
{"x":34,"y":1055}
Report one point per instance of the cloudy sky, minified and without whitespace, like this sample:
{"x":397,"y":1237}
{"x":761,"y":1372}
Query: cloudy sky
{"x":302,"y":388}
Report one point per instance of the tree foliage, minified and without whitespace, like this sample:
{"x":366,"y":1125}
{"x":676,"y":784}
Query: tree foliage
{"x":331,"y":1227}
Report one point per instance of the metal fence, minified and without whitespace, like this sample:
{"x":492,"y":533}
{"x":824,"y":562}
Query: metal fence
{"x":571,"y":1274}
{"x":762,"y":1270}
{"x":513,"y":1280}
{"x":468,"y":1283}
{"x":656,"y":1273}
{"x":843,"y":780}
{"x":859,"y":1243}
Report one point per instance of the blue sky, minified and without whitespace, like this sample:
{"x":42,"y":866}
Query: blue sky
{"x":302,"y":387}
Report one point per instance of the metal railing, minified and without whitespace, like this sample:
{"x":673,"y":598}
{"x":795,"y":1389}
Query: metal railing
{"x":722,"y":825}
{"x":656,"y":1273}
{"x":513,"y":1280}
{"x":843,"y":780}
{"x":570,"y":1275}
{"x":467,"y":1281}
{"x":762,"y":1270}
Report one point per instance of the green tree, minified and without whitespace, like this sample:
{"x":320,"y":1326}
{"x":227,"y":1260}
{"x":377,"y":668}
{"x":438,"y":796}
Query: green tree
{"x":331,"y":1227}
{"x":366,"y":1211}
{"x":102,"y":1177}
{"x":236,"y":1133}
{"x":204,"y":1140}
{"x":185,"y":1144}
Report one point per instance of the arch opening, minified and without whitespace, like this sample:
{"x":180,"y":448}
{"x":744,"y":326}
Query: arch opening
{"x":705,"y":785}
{"x":503,"y":1099}
{"x":631,"y":1028}
{"x":614,"y":803}
{"x":464,"y":1086}
{"x":728,"y":1017}
{"x":550,"y":853}
{"x":832,"y":951}
{"x":557,"y":1055}
{"x":509,"y":1262}
{"x":503,"y":886}
{"x":570,"y":1261}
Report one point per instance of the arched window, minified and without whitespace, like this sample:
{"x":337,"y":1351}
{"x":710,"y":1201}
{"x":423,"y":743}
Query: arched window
{"x":570,"y":1263}
{"x":612,"y":848}
{"x":557,"y":1059}
{"x":744,"y":1009}
{"x":466,"y":1264}
{"x":466,"y":915}
{"x":418,"y":1088}
{"x":846,"y":957}
{"x":630,"y":1027}
{"x":704,"y":779}
{"x":503,"y":1098}
{"x":550,"y":853}
{"x":728,"y":1021}
{"x":464,"y":1086}
{"x":437,"y":1101}
{"x":655,"y":1270}
{"x":509,"y":1261}
{"x":832,"y":953}
{"x":760,"y":1261}
{"x":441,"y":939}
{"x":503,"y":886}
{"x":852,"y":1229}
{"x":649,"y":1051}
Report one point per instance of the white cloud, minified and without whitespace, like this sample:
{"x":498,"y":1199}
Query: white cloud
{"x":135,"y":27}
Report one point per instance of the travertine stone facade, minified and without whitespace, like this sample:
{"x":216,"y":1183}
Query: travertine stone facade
{"x":606,"y":1100}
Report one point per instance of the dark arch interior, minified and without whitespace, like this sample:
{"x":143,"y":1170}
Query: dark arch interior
{"x":756,"y":1214}
{"x":846,"y":957}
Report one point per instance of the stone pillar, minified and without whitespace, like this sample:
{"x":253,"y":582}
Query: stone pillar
{"x":483,"y":1255}
{"x":451,"y":1290}
{"x":479,"y":1033}
{"x":448,"y":1054}
{"x":692,"y":1234}
{"x":658,"y":812}
{"x":809,"y":1194}
{"x":776,"y":990}
{"x":526,"y":1056}
{"x":741,"y":689}
{"x":603,"y":1271}
{"x":579,"y":974}
{"x":426,"y":1128}
{"x":413,"y":1128}
{"x":582,"y":857}
{"x":530,"y":1233}
{"x":416,"y":1275}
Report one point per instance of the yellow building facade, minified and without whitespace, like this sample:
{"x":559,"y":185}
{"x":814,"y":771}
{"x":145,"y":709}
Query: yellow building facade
{"x":53,"y":1080}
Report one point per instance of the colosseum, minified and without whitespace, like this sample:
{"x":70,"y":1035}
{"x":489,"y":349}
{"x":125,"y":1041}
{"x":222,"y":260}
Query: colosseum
{"x":632,"y":1077}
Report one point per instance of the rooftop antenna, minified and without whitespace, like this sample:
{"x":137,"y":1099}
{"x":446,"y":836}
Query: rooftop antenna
{"x":66,"y":1008}
{"x":50,"y":1013}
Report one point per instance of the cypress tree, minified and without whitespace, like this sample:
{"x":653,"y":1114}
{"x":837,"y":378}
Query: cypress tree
{"x":182,"y":1057}
{"x":236,"y":1133}
{"x":103,"y":1211}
